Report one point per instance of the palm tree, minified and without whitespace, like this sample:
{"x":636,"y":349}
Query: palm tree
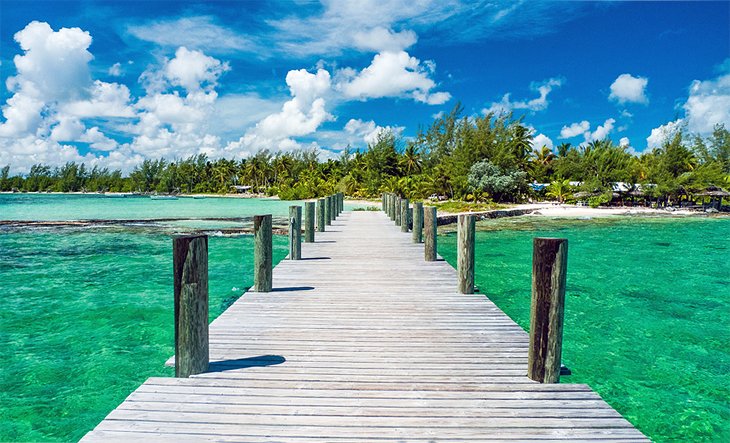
{"x":411,"y":160}
{"x":563,"y":149}
{"x":543,"y":156}
{"x":560,"y":189}
{"x":223,"y":170}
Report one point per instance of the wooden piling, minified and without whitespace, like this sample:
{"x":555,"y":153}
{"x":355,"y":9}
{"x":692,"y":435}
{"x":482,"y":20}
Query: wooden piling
{"x":417,"y":222}
{"x":309,"y":222}
{"x":295,"y":232}
{"x":404,"y":215}
{"x":549,"y":270}
{"x":398,"y":211}
{"x":320,"y":215}
{"x":430,"y":232}
{"x":328,"y":210}
{"x":190,"y":271}
{"x":262,"y":253}
{"x":465,"y":245}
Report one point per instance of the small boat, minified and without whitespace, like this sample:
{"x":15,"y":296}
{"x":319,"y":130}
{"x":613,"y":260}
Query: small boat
{"x":163,"y":197}
{"x":198,"y":197}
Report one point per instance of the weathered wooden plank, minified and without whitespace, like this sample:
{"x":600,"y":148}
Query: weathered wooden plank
{"x":190,"y":263}
{"x":295,"y":232}
{"x":549,"y":264}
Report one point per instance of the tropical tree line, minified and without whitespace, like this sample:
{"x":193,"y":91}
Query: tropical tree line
{"x":483,"y":158}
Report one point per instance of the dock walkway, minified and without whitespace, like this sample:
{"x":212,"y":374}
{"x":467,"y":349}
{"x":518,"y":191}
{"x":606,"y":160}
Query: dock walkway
{"x":364,"y":340}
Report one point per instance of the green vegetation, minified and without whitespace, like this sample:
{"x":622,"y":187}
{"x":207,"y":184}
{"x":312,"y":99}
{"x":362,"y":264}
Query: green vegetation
{"x":478,"y":159}
{"x":368,"y":208}
{"x":455,"y":206}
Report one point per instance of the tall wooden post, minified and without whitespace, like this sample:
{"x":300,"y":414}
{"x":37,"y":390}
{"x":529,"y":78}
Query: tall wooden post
{"x":262,"y":253}
{"x":382,"y":201}
{"x":295,"y":232}
{"x":190,"y":271}
{"x":465,"y":247}
{"x":309,"y":222}
{"x":328,"y":210}
{"x":393,"y":203}
{"x":417,"y":222}
{"x":404,"y":215}
{"x":321,"y":215}
{"x":398,"y":211}
{"x":430,"y":230}
{"x":549,"y":270}
{"x":342,"y":202}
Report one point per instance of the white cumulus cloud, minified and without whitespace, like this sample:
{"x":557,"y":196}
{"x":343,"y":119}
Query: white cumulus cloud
{"x":583,"y":128}
{"x":708,"y":104}
{"x":629,"y":89}
{"x":602,"y":131}
{"x":575,"y":129}
{"x":55,"y":98}
{"x":368,"y":131}
{"x":299,"y":116}
{"x":541,"y":140}
{"x":193,"y":69}
{"x":383,"y":39}
{"x":663,"y":133}
{"x":539,"y":103}
{"x":115,"y":70}
{"x":392,"y":74}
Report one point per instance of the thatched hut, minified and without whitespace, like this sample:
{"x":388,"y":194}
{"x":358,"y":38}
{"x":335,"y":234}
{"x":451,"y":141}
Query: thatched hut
{"x":716,"y":195}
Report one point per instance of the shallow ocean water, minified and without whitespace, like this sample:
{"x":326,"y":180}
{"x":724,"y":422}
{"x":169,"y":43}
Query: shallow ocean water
{"x":87,"y":313}
{"x":647,"y":315}
{"x":95,"y":206}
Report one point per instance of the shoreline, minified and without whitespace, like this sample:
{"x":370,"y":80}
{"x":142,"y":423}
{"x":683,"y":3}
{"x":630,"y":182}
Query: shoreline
{"x":571,"y":211}
{"x":547,"y":209}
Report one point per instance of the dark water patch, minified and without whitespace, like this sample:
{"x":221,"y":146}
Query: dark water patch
{"x":662,"y":243}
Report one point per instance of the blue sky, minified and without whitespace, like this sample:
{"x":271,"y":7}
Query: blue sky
{"x":116,"y":82}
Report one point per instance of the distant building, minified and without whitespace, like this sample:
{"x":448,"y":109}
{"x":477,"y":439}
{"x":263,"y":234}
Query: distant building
{"x":241,"y":189}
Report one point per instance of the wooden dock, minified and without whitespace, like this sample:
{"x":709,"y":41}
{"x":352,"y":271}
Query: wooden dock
{"x":363,"y":340}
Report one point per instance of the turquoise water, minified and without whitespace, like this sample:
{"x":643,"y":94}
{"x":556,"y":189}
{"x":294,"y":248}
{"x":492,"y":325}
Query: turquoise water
{"x":86,"y":313}
{"x":647,"y":315}
{"x":94,"y":206}
{"x":87,"y":316}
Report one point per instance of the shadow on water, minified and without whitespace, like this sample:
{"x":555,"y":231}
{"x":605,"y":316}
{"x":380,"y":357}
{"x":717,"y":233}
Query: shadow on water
{"x":243,"y":363}
{"x":293,"y":289}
